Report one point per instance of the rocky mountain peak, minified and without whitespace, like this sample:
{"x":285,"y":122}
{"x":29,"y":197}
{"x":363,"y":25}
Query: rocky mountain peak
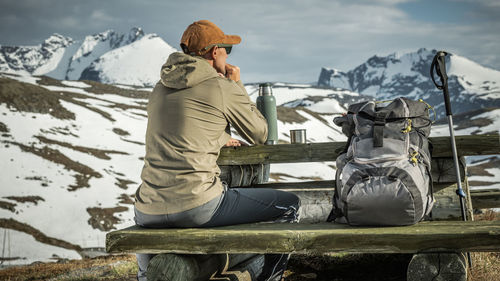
{"x":395,"y":75}
{"x":135,"y":34}
{"x":57,"y":40}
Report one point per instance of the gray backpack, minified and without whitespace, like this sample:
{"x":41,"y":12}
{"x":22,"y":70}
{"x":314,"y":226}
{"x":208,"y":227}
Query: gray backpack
{"x":384,"y":178}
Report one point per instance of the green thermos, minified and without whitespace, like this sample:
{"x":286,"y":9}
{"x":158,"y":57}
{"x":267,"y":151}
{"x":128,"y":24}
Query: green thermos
{"x":266,"y":103}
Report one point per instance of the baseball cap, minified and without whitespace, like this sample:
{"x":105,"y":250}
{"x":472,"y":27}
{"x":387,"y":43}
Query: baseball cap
{"x":200,"y":36}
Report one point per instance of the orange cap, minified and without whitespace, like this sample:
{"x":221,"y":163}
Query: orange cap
{"x":200,"y":36}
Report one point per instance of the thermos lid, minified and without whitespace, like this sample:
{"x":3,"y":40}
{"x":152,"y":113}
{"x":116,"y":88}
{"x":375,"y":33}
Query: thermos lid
{"x":265,"y":89}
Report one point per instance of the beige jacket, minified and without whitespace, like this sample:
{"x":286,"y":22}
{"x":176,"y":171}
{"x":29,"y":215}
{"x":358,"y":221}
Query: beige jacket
{"x":189,"y":113}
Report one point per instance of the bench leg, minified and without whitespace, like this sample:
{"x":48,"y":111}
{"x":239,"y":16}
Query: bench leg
{"x":437,"y":267}
{"x":173,"y":267}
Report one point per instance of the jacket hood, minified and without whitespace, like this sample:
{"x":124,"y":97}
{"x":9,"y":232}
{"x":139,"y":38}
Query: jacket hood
{"x":185,"y":71}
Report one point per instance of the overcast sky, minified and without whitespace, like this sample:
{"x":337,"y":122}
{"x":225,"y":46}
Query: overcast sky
{"x":282,"y":40}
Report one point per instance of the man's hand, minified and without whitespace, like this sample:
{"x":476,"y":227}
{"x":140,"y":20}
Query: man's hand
{"x":235,"y":142}
{"x":233,"y":72}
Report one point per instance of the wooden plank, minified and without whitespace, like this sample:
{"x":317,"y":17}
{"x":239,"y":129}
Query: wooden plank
{"x":486,"y":198}
{"x":280,"y":153}
{"x":328,"y":151}
{"x":443,"y":169}
{"x":447,"y":205}
{"x":467,"y":145}
{"x":326,"y":185}
{"x":310,"y":238}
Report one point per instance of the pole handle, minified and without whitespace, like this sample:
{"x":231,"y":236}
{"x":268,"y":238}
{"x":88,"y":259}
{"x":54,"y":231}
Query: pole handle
{"x":439,"y":65}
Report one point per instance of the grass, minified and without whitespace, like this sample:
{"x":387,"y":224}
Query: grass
{"x":485,"y":266}
{"x":122,"y":267}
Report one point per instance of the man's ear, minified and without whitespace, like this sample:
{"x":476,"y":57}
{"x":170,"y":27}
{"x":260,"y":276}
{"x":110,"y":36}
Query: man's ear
{"x":213,"y":52}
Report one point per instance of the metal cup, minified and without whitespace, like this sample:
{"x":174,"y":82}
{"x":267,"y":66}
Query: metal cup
{"x":298,"y":136}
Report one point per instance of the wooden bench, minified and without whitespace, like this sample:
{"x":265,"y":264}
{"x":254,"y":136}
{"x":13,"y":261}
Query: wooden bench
{"x":447,"y":234}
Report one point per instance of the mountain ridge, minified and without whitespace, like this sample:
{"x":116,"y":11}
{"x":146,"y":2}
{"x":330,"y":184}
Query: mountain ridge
{"x":471,"y":85}
{"x":63,"y":58}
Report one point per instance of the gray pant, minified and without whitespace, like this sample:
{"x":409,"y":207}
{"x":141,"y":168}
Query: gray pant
{"x":234,"y":206}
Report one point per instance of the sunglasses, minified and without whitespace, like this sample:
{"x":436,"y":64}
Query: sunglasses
{"x":228,"y":47}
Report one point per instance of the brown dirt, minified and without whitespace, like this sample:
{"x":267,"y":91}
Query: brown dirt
{"x":37,"y":234}
{"x":134,"y":142}
{"x":127,"y":106}
{"x":3,"y":128}
{"x":478,"y":122}
{"x":30,"y":98}
{"x":99,"y":88}
{"x":481,"y":183}
{"x":480,"y":170}
{"x":126,"y":199}
{"x":103,"y":218}
{"x":123,"y":183}
{"x":316,"y":115}
{"x":85,"y":173}
{"x":48,"y":81}
{"x":66,"y":131}
{"x":278,"y":177}
{"x":8,"y":206}
{"x":289,"y":115}
{"x":44,"y":180}
{"x":463,"y":120}
{"x":24,"y":199}
{"x":27,"y":97}
{"x":120,"y":132}
{"x":70,"y":97}
{"x":99,"y":153}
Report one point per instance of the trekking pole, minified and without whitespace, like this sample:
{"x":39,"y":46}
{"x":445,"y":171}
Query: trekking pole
{"x":438,"y":63}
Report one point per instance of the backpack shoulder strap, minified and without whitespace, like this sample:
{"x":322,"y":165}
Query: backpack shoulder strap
{"x":378,"y":128}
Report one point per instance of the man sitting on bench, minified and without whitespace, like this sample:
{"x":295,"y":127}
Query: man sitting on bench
{"x":189,"y":113}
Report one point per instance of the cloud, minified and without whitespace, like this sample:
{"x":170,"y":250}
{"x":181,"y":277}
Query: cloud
{"x":483,"y":3}
{"x":100,"y":15}
{"x":287,"y":40}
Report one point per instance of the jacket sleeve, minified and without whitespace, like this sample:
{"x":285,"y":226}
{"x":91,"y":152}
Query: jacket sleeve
{"x":242,"y":113}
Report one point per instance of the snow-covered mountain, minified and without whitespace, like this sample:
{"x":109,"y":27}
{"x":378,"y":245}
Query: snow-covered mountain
{"x":36,"y":60}
{"x":109,"y":57}
{"x":471,"y":85}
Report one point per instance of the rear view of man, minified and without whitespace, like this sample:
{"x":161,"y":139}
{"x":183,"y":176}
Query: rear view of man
{"x":190,"y":111}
